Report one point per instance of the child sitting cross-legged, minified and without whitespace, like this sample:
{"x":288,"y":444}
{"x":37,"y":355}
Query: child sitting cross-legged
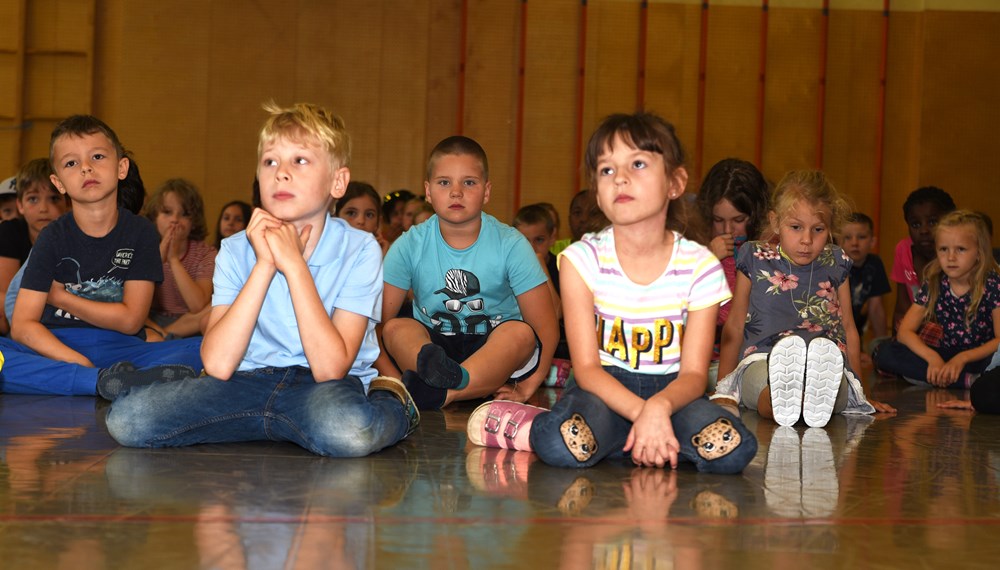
{"x":291,"y":337}
{"x":483,"y":322}
{"x":651,"y":296}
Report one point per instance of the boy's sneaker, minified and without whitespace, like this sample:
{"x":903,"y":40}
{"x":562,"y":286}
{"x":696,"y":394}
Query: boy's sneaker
{"x":786,"y":369}
{"x":390,"y":384}
{"x":116,"y":379}
{"x":824,"y":373}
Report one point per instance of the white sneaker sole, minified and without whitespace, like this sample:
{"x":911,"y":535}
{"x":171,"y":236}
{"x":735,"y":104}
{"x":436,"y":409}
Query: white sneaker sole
{"x":824,"y":373}
{"x":786,"y":369}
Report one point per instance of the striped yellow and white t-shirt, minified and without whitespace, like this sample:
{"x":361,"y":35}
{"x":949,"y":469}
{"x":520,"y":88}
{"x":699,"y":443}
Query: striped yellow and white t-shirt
{"x":640,"y":327}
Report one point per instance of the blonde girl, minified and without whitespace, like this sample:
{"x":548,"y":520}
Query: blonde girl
{"x":652,"y":297}
{"x":946,"y":338}
{"x":790,"y":348}
{"x":178,"y":212}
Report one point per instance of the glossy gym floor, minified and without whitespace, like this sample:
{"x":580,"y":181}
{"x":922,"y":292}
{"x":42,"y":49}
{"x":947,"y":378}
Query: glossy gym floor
{"x":915,"y":490}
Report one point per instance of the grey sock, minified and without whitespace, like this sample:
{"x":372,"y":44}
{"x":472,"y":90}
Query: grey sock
{"x":122,"y":376}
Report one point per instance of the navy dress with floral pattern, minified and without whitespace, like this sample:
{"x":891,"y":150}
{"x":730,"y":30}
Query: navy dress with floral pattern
{"x":787,"y":299}
{"x":950,"y":314}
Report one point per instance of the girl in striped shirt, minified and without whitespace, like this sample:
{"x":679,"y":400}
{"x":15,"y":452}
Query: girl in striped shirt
{"x":651,"y":296}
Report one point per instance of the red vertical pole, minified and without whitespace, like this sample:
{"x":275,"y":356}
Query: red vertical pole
{"x":519,"y":118}
{"x":761,"y":84}
{"x":463,"y":39}
{"x":580,"y":92}
{"x":824,"y":36}
{"x":699,"y":133}
{"x":640,"y":91}
{"x":880,"y":126}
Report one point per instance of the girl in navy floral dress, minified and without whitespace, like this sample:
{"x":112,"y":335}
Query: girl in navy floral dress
{"x":949,"y":334}
{"x":790,"y":347}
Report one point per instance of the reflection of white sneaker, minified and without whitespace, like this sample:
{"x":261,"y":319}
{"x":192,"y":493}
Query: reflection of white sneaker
{"x":783,"y":473}
{"x":786,"y":367}
{"x":820,"y":488}
{"x":824,"y":373}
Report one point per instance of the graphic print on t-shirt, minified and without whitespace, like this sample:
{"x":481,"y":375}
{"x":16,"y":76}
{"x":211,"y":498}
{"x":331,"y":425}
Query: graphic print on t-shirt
{"x":106,"y":288}
{"x":464,"y":311}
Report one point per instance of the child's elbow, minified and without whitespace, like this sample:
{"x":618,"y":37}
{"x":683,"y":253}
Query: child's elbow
{"x":217,"y":369}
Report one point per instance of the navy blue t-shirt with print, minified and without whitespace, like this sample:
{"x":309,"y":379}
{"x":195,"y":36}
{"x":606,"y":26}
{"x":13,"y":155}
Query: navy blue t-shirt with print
{"x":89,"y":267}
{"x":950,"y":314}
{"x":867,"y":280}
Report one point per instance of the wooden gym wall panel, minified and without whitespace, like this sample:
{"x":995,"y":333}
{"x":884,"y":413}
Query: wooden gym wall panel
{"x":338,"y":65}
{"x":904,"y":83}
{"x":441,"y":71}
{"x":672,"y":70}
{"x":960,"y":108}
{"x":403,"y":84}
{"x":731,"y":84}
{"x":791,"y":91}
{"x":612,"y":61}
{"x":550,"y":103}
{"x":851,"y":117}
{"x":242,"y":76}
{"x":490,"y":93}
{"x":163,"y":111}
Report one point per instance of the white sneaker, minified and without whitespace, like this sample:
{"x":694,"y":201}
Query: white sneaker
{"x":786,"y":367}
{"x":824,"y":373}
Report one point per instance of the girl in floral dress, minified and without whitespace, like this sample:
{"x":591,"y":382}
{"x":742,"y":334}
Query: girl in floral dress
{"x":790,"y":348}
{"x":952,"y":329}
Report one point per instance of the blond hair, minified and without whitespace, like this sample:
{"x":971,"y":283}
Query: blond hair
{"x":304,"y":121}
{"x":813,"y":187}
{"x":976,"y":223}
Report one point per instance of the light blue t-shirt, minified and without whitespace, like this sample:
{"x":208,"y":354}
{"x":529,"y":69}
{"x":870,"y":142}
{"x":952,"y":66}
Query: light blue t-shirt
{"x":15,"y":286}
{"x":347,"y":268}
{"x":468,"y":291}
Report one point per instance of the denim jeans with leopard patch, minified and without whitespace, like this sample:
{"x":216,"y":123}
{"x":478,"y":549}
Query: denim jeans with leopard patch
{"x":581,"y":429}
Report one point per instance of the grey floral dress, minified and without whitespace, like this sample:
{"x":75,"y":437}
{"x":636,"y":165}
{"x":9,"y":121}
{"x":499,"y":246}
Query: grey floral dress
{"x":789,"y":299}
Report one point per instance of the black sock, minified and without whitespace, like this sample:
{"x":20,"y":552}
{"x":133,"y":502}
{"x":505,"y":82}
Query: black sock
{"x":122,"y":376}
{"x":425,"y":396}
{"x":438,"y":370}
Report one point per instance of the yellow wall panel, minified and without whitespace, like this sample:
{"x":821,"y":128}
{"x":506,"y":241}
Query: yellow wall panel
{"x":791,"y":114}
{"x":731,"y":84}
{"x":47,"y":77}
{"x":9,"y":64}
{"x":400,"y":152}
{"x":441,"y":112}
{"x":960,"y":107}
{"x":163,"y":118}
{"x":490,"y":93}
{"x":550,"y":105}
{"x":851,"y":117}
{"x":672,"y":69}
{"x":904,"y":82}
{"x":59,"y":25}
{"x":612,"y":61}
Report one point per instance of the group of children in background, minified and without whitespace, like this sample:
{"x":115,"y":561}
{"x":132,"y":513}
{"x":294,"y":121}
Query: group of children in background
{"x":334,"y":315}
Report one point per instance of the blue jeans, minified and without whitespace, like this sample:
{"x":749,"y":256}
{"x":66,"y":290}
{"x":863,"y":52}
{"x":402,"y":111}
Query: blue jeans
{"x":334,"y":418}
{"x":27,"y":372}
{"x":895,"y":357}
{"x":710,"y":437}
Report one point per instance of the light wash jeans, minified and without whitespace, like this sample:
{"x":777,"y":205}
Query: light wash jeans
{"x":709,"y":422}
{"x":334,"y":418}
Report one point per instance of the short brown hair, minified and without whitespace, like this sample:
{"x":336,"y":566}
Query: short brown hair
{"x":37,"y":171}
{"x":458,"y":145}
